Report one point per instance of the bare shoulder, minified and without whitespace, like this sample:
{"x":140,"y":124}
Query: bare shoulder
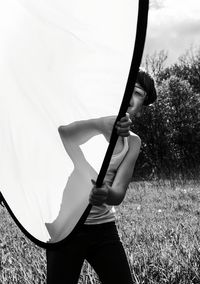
{"x":134,"y":139}
{"x":134,"y":145}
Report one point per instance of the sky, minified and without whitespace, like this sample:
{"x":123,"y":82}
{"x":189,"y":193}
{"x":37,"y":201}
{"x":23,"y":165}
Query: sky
{"x":173,"y":26}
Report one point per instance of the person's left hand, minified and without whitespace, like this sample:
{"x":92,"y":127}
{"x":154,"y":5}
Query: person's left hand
{"x":124,"y":126}
{"x":99,"y":195}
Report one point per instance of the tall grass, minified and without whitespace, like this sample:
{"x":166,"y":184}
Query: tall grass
{"x":158,"y":223}
{"x":160,"y":228}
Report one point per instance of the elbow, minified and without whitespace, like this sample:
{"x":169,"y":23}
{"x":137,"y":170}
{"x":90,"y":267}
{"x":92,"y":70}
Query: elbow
{"x":118,"y":202}
{"x":60,"y":129}
{"x":115,"y":199}
{"x":114,"y":202}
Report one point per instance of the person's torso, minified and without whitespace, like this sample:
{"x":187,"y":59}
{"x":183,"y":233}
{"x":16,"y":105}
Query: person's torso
{"x":106,"y":213}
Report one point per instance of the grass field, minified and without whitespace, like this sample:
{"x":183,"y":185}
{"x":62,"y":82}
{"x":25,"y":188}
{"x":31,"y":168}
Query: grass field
{"x":158,"y":224}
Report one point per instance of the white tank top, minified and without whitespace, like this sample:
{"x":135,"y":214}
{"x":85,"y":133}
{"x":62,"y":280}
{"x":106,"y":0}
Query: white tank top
{"x":106,"y":213}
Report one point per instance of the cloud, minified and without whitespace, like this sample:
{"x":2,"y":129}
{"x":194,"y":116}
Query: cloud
{"x":189,"y":27}
{"x":173,"y":27}
{"x":156,"y":4}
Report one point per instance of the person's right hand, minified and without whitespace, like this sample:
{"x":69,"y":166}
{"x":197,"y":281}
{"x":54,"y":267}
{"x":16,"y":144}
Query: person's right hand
{"x":99,"y":195}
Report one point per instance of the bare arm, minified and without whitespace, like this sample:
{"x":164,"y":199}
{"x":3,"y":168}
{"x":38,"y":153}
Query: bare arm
{"x":124,"y":174}
{"x":114,"y":195}
{"x":80,"y":132}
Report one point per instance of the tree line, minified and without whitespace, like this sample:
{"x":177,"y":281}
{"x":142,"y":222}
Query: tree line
{"x":170,"y":128}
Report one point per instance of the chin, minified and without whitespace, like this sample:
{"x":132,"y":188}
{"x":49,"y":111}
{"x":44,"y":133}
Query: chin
{"x":131,"y":112}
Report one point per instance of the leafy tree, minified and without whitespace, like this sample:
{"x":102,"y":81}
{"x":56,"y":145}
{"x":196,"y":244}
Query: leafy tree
{"x":182,"y":119}
{"x":187,"y":68}
{"x":170,"y":131}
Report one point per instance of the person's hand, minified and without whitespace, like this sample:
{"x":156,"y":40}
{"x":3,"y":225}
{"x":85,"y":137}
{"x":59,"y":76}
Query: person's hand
{"x":98,"y":195}
{"x":124,"y":126}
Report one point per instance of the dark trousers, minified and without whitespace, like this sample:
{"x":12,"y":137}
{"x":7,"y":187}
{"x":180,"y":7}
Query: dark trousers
{"x":100,"y":246}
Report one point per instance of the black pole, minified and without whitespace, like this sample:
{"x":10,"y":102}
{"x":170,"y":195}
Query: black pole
{"x":135,"y":64}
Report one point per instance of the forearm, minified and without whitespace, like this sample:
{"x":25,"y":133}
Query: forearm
{"x":79,"y":132}
{"x":116,"y":195}
{"x":124,"y":174}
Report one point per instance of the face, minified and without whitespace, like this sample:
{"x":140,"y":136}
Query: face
{"x":136,"y":101}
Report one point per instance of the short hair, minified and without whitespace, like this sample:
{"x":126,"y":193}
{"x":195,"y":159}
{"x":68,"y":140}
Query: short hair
{"x":146,"y":81}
